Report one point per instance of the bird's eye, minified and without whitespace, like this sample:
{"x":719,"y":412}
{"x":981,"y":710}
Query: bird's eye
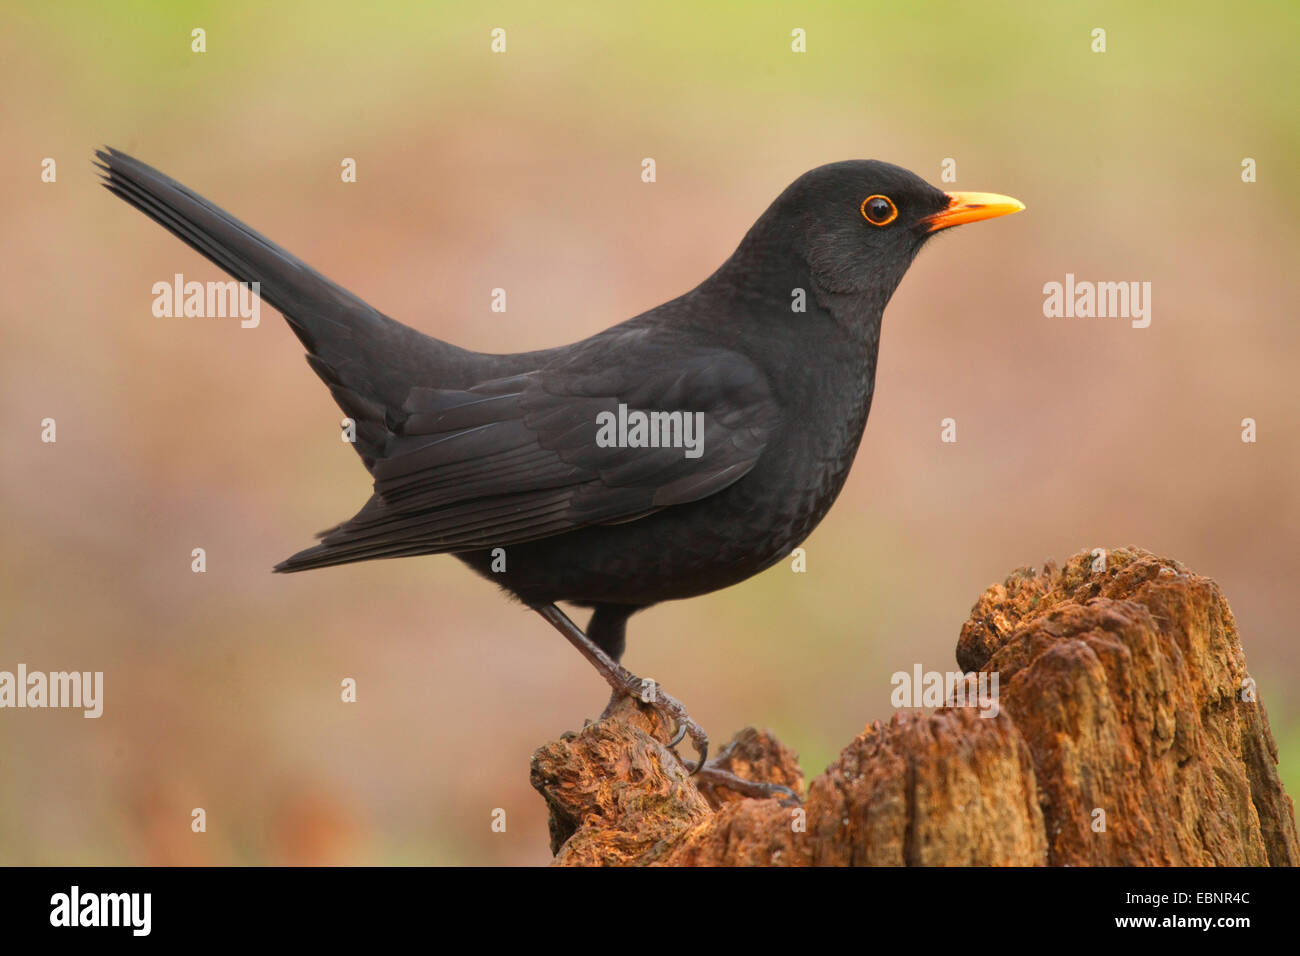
{"x":879,"y":210}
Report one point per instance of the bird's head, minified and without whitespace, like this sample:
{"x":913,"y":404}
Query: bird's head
{"x":857,"y":225}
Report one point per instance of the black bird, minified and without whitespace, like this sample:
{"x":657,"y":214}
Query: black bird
{"x":510,"y":462}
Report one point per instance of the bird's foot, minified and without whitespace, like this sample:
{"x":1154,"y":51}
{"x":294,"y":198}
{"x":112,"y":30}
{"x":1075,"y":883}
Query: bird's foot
{"x":626,"y":684}
{"x":669,"y":708}
{"x":704,"y":773}
{"x":712,"y":775}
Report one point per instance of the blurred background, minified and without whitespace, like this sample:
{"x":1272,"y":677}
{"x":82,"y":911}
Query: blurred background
{"x":522,"y":171}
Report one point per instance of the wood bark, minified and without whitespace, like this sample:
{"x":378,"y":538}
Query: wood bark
{"x":1129,"y":733}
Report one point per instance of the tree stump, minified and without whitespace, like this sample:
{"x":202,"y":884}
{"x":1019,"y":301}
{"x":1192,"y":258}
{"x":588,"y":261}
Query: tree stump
{"x":1128,"y":733}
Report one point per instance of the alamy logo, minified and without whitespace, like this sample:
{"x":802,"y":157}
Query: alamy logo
{"x":946,"y":689}
{"x":75,"y":908}
{"x":211,"y":300}
{"x":1102,"y":300}
{"x":84,"y":689}
{"x":641,"y":429}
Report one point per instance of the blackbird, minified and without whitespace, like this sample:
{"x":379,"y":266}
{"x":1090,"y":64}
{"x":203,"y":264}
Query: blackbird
{"x":676,"y":453}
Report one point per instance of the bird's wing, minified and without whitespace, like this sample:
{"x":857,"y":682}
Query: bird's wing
{"x":518,"y":458}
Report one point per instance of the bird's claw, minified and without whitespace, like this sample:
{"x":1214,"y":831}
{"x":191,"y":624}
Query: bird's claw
{"x":677,"y":737}
{"x":673,"y":712}
{"x":672,"y":708}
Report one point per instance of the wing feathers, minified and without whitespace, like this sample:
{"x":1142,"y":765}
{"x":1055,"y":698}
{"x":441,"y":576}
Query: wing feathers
{"x":518,"y":458}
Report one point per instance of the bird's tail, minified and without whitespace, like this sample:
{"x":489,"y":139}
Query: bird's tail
{"x":367,"y":359}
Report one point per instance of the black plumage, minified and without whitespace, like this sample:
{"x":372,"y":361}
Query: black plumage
{"x":473,"y":452}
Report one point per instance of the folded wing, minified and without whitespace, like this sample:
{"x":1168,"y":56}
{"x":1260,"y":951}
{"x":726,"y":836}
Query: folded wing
{"x":524,"y":457}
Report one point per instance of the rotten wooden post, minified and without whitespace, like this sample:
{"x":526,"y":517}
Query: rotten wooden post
{"x":1129,"y":732}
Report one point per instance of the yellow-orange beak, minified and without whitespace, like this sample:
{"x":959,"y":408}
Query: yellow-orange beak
{"x":972,"y":207}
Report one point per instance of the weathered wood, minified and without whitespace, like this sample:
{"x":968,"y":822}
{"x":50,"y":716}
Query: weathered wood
{"x":1129,"y":733}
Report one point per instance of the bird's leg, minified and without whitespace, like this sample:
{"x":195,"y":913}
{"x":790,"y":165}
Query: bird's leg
{"x":627,"y":684}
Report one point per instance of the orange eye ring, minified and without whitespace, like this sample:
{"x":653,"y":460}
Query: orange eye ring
{"x":879,"y":215}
